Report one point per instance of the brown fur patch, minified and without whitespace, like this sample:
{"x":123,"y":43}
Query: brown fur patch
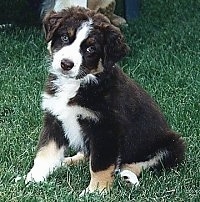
{"x":98,"y":69}
{"x":71,"y":31}
{"x":90,"y":41}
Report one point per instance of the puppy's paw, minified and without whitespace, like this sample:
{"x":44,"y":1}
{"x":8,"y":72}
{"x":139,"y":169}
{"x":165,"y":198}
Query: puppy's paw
{"x":129,"y":177}
{"x":35,"y":175}
{"x":73,"y":160}
{"x":67,"y":161}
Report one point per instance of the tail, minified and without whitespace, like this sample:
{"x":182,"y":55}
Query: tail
{"x":172,"y":154}
{"x":175,"y":150}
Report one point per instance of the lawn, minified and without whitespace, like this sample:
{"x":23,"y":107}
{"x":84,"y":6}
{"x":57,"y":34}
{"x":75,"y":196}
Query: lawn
{"x":164,"y":59}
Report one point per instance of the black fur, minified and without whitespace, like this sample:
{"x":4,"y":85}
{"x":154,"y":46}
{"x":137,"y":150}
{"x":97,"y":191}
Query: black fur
{"x":131,"y":124}
{"x":52,"y":130}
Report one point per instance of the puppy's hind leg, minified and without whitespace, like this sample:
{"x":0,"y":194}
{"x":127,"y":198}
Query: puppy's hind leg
{"x":73,"y":160}
{"x":130,"y":173}
{"x":50,"y":152}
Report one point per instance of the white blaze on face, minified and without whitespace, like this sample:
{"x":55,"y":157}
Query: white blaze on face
{"x":72,"y":51}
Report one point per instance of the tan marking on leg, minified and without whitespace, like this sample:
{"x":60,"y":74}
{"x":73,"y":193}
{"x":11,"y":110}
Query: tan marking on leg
{"x":47,"y":159}
{"x":48,"y":151}
{"x":136,"y":169}
{"x":79,"y":157}
{"x":101,"y":180}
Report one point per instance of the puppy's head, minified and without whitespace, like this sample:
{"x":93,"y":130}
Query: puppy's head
{"x":82,"y":42}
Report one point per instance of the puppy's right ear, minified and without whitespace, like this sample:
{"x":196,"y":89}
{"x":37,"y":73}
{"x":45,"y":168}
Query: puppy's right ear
{"x":51,"y":23}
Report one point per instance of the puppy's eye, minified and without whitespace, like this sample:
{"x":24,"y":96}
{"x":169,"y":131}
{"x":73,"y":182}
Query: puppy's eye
{"x":91,"y":49}
{"x":65,"y":39}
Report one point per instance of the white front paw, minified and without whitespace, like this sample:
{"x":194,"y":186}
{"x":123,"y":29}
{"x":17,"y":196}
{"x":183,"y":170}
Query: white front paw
{"x":129,"y":177}
{"x":35,"y":175}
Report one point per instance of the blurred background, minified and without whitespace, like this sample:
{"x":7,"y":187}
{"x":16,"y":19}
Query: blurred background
{"x":27,"y":12}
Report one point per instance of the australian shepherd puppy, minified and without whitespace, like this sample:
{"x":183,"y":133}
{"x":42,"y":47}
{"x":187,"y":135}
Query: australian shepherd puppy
{"x":92,"y":106}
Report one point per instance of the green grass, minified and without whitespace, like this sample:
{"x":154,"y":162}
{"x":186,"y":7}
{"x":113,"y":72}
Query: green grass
{"x":165,"y":60}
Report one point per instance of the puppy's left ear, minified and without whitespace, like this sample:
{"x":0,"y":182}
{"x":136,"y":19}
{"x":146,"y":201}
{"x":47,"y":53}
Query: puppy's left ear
{"x":51,"y":23}
{"x":115,"y":47}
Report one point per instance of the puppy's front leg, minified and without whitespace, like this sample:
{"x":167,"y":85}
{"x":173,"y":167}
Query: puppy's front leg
{"x":50,"y":152}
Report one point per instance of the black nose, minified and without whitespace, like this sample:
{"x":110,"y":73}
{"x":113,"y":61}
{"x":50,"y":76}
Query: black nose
{"x":66,"y":64}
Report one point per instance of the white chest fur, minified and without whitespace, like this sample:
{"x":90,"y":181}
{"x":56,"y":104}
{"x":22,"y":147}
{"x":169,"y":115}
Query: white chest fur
{"x":57,"y":105}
